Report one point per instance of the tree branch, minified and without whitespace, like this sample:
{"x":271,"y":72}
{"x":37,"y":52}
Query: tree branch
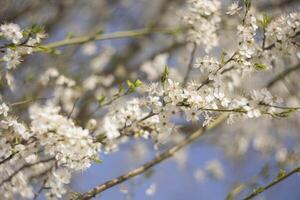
{"x":158,"y":159}
{"x":283,"y":75}
{"x":190,"y":64}
{"x":274,"y":182}
{"x":114,"y":35}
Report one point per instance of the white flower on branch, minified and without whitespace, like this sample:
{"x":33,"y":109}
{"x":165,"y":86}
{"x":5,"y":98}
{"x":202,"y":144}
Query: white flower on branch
{"x":233,"y":8}
{"x":204,"y":17}
{"x":11,"y":32}
{"x":4,"y":109}
{"x":12,"y":59}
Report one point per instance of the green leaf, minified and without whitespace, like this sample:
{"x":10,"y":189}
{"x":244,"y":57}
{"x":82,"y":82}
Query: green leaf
{"x":285,"y":113}
{"x":120,"y":89}
{"x":165,"y":75}
{"x":260,"y":66}
{"x":281,"y":173}
{"x":138,"y":83}
{"x":265,"y":22}
{"x":44,"y":48}
{"x":97,"y":160}
{"x":248,"y":4}
{"x":129,"y":83}
{"x":17,"y":140}
{"x":101,"y":100}
{"x":130,"y":86}
{"x":133,"y":85}
{"x":36,"y":28}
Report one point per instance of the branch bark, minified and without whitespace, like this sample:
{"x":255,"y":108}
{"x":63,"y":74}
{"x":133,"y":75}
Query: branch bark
{"x":274,"y":182}
{"x":170,"y":152}
{"x":114,"y":35}
{"x":283,"y":75}
{"x":158,"y":159}
{"x":190,"y":64}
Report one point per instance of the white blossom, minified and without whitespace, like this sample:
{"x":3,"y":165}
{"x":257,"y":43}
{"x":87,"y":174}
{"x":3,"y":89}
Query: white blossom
{"x":233,"y":8}
{"x":11,"y":32}
{"x":4,"y":109}
{"x":12,"y":59}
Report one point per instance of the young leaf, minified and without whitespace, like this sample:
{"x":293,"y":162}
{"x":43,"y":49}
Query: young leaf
{"x":120,"y":89}
{"x":248,"y":4}
{"x":260,"y":66}
{"x":137,"y":83}
{"x":265,"y":22}
{"x":101,"y":100}
{"x":165,"y":75}
{"x":281,"y":173}
{"x":133,"y":85}
{"x":97,"y":160}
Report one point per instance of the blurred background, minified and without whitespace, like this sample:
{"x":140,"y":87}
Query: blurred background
{"x":232,"y":160}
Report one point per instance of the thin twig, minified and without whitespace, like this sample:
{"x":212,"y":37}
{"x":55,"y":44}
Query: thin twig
{"x":221,"y":66}
{"x":158,"y":159}
{"x":73,"y":108}
{"x":283,"y":75}
{"x":190,"y":64}
{"x":274,"y":182}
{"x":24,"y":167}
{"x":28,"y":101}
{"x":279,"y":41}
{"x":114,"y":35}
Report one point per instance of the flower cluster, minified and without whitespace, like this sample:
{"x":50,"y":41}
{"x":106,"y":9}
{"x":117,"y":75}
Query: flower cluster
{"x":207,"y":63}
{"x":72,"y":146}
{"x":11,"y":32}
{"x":154,"y":115}
{"x":233,"y":8}
{"x":53,"y":146}
{"x":22,"y":44}
{"x":246,"y":34}
{"x":281,"y":31}
{"x":204,"y":18}
{"x":17,"y":150}
{"x":62,"y":135}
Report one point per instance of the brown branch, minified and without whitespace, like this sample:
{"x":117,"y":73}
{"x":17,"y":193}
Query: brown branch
{"x":273,"y":44}
{"x":190,"y":64}
{"x":283,"y":75}
{"x":24,"y":167}
{"x":274,"y":182}
{"x":114,"y":35}
{"x":158,"y":159}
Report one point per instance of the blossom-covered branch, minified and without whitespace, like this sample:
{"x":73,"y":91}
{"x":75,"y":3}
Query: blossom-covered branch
{"x":43,"y":143}
{"x":159,"y":158}
{"x":280,"y":178}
